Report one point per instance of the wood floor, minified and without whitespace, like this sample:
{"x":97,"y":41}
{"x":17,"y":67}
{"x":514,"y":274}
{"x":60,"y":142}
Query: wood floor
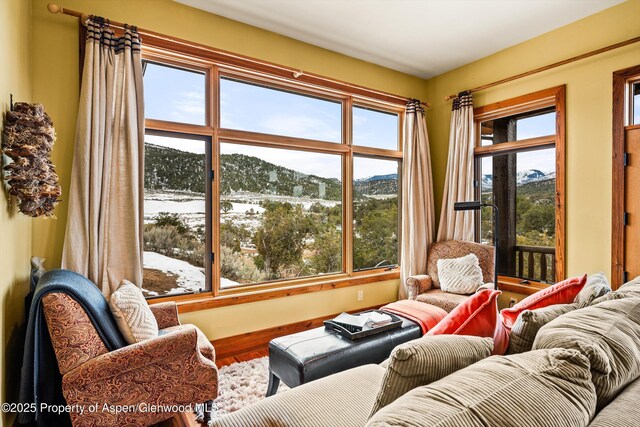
{"x":243,"y":357}
{"x":189,"y":419}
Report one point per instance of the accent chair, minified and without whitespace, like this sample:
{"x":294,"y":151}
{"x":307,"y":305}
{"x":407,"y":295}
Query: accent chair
{"x":426,"y":287}
{"x":176,"y":368}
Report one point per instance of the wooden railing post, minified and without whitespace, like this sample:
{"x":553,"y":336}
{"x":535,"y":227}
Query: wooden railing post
{"x":532,"y":262}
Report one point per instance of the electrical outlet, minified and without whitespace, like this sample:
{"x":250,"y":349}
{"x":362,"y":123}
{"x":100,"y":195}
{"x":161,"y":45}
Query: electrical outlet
{"x":512,"y":301}
{"x":360,"y":295}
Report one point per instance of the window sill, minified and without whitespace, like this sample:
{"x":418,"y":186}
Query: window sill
{"x":513,"y":284}
{"x":206,"y":301}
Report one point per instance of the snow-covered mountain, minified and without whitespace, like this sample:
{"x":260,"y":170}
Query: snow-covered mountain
{"x":522,"y":178}
{"x":391,"y":176}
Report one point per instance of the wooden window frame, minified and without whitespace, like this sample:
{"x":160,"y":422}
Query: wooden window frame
{"x":622,"y":119}
{"x":217,"y":65}
{"x":552,"y":97}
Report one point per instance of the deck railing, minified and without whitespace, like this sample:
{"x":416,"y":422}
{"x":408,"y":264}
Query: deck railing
{"x":536,"y":263}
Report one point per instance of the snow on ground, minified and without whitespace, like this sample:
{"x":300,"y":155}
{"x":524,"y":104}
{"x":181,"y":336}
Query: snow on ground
{"x":189,"y":277}
{"x":226,"y":283}
{"x":192,"y":206}
{"x":242,"y":208}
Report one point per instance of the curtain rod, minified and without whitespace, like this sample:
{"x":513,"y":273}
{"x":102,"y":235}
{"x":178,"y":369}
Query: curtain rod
{"x":54,"y":8}
{"x":550,"y":66}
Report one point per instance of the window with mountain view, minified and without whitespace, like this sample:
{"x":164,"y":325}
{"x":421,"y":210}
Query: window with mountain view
{"x":516,"y":167}
{"x":375,"y":213}
{"x":280,"y":214}
{"x":263,"y":182}
{"x":175,"y":213}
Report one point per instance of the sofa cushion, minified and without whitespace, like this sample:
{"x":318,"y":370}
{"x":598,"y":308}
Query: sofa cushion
{"x":529,"y":322}
{"x":608,"y":334}
{"x":132,"y":313}
{"x":428,"y":359}
{"x":476,"y":316}
{"x":439,"y":298}
{"x":344,"y":399}
{"x":460,"y":275}
{"x":540,"y":388}
{"x":597,"y":286}
{"x":623,"y":411}
{"x":561,"y":293}
{"x":628,"y":290}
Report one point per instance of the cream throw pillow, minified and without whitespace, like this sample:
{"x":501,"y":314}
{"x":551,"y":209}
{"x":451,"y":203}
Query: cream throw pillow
{"x":460,"y":275}
{"x":132,"y":313}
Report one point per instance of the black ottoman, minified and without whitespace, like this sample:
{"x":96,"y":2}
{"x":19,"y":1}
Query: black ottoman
{"x":306,"y":356}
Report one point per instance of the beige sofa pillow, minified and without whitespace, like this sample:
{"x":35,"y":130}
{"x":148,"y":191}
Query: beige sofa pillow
{"x":608,"y":334}
{"x":536,"y":389}
{"x":597,"y":286}
{"x":529,"y":322}
{"x":630,"y":289}
{"x":132,"y":313}
{"x":428,"y":359}
{"x":460,"y":275}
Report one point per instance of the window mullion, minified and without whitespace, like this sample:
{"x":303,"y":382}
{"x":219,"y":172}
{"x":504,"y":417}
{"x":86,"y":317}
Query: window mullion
{"x":214,"y":232}
{"x":347,"y":192}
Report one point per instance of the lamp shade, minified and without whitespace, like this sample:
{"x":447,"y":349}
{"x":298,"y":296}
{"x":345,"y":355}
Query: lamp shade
{"x":467,"y":206}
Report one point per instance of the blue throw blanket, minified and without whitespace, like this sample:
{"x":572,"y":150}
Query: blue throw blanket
{"x":41,"y":381}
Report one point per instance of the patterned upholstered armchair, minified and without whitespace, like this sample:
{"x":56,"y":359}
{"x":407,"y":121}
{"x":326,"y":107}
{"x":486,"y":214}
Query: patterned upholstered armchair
{"x":426,"y":287}
{"x":177,"y":368}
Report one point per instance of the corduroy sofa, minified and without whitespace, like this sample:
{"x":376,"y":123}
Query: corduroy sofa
{"x":583,"y":370}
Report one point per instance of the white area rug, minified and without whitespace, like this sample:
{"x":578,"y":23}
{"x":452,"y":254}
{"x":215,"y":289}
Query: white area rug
{"x":242,"y":384}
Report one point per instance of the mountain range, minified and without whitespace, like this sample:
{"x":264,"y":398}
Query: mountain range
{"x":172,"y":169}
{"x":522,"y":178}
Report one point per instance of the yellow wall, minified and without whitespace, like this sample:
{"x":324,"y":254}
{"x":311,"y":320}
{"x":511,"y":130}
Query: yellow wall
{"x":56,"y":85}
{"x":589,"y":104}
{"x":15,"y":228}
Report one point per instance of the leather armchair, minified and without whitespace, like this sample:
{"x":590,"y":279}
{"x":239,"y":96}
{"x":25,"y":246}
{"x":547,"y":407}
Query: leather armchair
{"x":426,"y":287}
{"x":176,"y":368}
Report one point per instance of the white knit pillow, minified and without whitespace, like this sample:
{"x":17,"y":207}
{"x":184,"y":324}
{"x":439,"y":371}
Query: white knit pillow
{"x":460,"y":275}
{"x":132,"y":313}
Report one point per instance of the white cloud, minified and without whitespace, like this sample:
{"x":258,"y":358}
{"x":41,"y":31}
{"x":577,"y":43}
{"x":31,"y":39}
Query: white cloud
{"x":300,"y":126}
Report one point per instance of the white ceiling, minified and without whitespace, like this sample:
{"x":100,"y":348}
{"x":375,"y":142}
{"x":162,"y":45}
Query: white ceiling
{"x":419,"y":37}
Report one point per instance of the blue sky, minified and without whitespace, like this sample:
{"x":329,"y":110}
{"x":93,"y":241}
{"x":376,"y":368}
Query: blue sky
{"x":254,"y":108}
{"x":178,"y":95}
{"x":543,"y":160}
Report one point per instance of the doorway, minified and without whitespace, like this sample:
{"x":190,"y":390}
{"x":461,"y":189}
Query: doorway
{"x":625,"y":257}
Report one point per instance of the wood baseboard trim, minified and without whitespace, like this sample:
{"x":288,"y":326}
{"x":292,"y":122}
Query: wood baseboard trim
{"x":252,"y":341}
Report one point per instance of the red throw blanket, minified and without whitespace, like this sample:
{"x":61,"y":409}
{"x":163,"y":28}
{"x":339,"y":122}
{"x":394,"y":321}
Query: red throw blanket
{"x":425,"y":315}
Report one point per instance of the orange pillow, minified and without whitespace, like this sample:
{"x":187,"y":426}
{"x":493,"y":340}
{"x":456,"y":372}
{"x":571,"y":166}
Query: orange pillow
{"x":477,"y":316}
{"x":561,"y":293}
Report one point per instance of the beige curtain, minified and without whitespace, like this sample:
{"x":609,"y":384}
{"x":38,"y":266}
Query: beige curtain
{"x":418,"y":220}
{"x":103,"y":239}
{"x":458,"y":185}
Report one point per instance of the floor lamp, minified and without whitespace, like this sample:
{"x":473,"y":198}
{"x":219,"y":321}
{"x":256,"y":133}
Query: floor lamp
{"x":476,"y":206}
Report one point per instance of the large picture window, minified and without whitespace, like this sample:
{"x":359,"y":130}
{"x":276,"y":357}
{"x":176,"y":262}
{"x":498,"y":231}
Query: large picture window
{"x":253,"y":182}
{"x":520,"y":169}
